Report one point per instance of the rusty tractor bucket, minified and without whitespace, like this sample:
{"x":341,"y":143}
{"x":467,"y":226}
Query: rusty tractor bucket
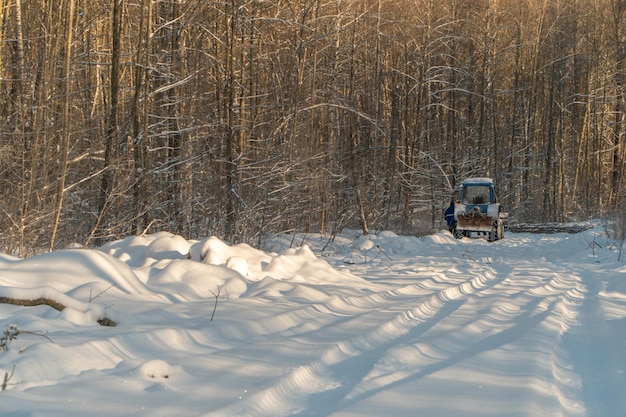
{"x":475,"y":221}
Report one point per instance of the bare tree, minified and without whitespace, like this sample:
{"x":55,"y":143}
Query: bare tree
{"x":242,"y":118}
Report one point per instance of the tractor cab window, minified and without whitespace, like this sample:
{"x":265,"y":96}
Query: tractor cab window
{"x":476,"y":194}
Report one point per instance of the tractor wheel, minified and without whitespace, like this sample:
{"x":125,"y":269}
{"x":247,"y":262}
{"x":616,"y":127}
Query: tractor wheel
{"x":500,"y":232}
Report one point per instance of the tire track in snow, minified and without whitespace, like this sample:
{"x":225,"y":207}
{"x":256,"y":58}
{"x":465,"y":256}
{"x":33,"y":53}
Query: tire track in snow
{"x":299,"y":320}
{"x":295,"y":391}
{"x":532,"y":322}
{"x":552,"y":363}
{"x":560,"y":292}
{"x":536,"y":304}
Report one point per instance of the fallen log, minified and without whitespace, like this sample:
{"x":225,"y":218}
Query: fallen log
{"x":105,"y":321}
{"x":549,"y":228}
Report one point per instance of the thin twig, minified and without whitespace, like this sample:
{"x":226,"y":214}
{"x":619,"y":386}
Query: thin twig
{"x":383,"y":252}
{"x":12,"y":332}
{"x":219,"y":290}
{"x":100,"y":293}
{"x":42,"y":334}
{"x":7,"y":378}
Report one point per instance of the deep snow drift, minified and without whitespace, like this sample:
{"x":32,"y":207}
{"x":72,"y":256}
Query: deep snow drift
{"x":383,"y":325}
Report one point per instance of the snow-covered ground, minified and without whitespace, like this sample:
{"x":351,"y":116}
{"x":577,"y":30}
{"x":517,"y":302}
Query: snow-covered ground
{"x":532,"y":325}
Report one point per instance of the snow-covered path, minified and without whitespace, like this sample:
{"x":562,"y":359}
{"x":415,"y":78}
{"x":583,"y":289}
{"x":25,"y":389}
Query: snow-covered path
{"x":384,"y":325}
{"x":525,"y":334}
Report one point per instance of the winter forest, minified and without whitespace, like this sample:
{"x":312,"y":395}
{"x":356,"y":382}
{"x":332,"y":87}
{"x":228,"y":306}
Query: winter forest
{"x":242,"y":118}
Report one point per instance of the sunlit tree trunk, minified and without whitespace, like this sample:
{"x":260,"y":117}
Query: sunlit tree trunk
{"x":25,"y":184}
{"x":619,"y":106}
{"x":66,"y":129}
{"x":140,"y":114}
{"x":112,"y":139}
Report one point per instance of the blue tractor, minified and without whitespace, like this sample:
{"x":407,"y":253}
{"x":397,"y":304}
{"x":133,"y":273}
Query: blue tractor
{"x":477,"y":212}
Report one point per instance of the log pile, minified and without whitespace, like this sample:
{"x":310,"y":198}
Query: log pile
{"x":549,"y":228}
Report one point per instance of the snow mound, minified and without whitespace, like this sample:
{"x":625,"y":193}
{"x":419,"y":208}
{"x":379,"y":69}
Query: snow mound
{"x":155,"y":368}
{"x":146,"y":250}
{"x":187,"y":280}
{"x":242,"y":257}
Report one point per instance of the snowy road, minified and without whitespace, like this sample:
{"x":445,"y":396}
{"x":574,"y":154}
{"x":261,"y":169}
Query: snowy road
{"x":513,"y":328}
{"x":385,"y":325}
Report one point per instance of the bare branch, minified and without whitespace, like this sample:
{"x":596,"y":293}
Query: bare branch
{"x":216,"y":297}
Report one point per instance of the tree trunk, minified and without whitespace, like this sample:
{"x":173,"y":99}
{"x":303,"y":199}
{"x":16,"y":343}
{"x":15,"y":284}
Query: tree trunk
{"x":66,"y":130}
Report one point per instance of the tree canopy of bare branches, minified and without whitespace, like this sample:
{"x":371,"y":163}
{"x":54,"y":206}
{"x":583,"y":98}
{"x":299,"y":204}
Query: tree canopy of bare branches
{"x":245,"y":117}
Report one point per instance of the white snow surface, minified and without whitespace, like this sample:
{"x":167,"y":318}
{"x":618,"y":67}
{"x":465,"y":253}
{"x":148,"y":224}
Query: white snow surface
{"x":379,"y":325}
